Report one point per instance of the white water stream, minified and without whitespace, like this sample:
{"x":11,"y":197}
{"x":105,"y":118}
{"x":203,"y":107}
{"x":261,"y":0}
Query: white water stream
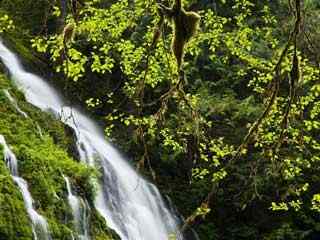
{"x":39,"y":224}
{"x":14,"y":103}
{"x":132,"y":206}
{"x":79,"y":212}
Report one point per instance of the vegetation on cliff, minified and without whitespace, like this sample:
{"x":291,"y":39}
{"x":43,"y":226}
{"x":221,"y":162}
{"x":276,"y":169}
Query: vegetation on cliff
{"x":42,"y":147}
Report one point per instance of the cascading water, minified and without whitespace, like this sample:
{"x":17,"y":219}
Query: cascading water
{"x":14,"y":103}
{"x":39,"y":224}
{"x":9,"y":158}
{"x":79,"y":212}
{"x":131,"y":206}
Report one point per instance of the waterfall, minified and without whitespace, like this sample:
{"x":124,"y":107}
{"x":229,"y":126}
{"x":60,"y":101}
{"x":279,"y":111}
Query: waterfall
{"x":79,"y":212}
{"x":9,"y":158}
{"x":14,"y":103}
{"x":132,"y":206}
{"x":39,"y":224}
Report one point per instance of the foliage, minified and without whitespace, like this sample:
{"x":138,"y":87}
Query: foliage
{"x":6,"y":24}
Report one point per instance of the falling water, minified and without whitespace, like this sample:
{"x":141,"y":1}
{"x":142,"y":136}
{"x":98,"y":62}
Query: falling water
{"x":132,"y":206}
{"x":79,"y":212}
{"x":39,"y":224}
{"x":14,"y":103}
{"x":9,"y":158}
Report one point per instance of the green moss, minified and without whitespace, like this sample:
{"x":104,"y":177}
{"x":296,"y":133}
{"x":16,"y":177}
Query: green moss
{"x":99,"y":228}
{"x":14,"y":223}
{"x":43,"y":160}
{"x":3,"y":85}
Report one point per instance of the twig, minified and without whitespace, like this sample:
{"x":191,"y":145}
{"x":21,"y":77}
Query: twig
{"x":276,"y":84}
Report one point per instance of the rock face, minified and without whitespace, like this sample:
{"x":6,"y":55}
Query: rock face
{"x":42,"y":146}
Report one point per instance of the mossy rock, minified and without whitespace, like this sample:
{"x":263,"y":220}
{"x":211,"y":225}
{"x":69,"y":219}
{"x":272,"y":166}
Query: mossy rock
{"x":43,"y":160}
{"x":14,"y":222}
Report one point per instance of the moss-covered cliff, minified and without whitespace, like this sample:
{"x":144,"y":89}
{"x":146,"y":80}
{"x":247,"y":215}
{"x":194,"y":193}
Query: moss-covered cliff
{"x":42,"y":147}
